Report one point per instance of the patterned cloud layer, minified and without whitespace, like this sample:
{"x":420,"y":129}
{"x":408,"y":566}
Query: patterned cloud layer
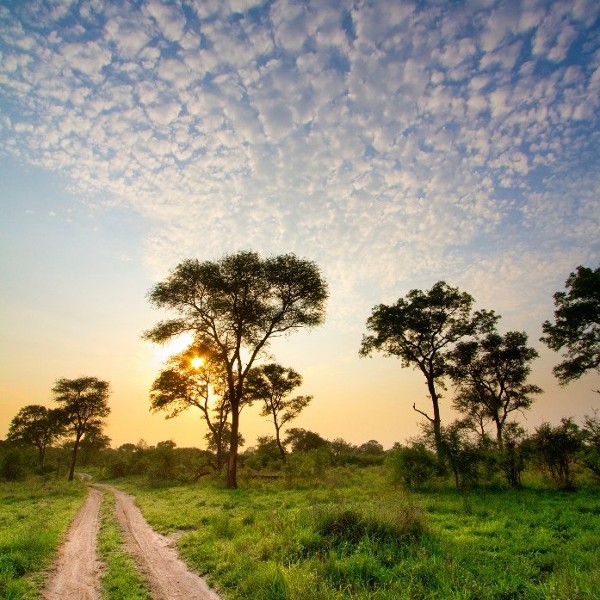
{"x":390,"y":141}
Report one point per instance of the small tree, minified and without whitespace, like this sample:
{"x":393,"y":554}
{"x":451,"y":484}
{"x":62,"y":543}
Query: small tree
{"x":84,"y":404}
{"x":236,"y":305}
{"x":195,"y":378}
{"x":273,"y":384}
{"x":557,"y":448}
{"x":38,"y":426}
{"x":421,"y":330}
{"x":577,"y":325}
{"x":491,"y":374}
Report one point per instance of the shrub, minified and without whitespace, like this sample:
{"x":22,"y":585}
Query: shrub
{"x":556,"y":449}
{"x":413,"y":465}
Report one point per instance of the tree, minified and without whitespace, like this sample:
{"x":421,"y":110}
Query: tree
{"x":557,"y":448}
{"x":303,"y":440}
{"x":38,"y":426}
{"x":236,"y":305}
{"x":421,"y":330}
{"x":491,"y":375}
{"x":272,"y":384}
{"x":84,"y":403}
{"x":577,"y":325}
{"x":195,"y":378}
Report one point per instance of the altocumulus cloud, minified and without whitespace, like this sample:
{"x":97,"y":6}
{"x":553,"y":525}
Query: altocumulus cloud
{"x":382,"y":138}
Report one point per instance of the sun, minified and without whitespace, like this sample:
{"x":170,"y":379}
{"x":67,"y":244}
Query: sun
{"x":197,"y":362}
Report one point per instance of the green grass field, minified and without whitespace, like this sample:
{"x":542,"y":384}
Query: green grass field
{"x":34,"y":515}
{"x":360,"y":537}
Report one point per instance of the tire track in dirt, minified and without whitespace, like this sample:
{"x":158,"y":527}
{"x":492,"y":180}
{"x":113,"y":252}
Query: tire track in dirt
{"x":76,"y":573}
{"x":167,"y":574}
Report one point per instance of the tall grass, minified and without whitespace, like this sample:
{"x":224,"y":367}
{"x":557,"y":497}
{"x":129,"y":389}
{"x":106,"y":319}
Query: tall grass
{"x":34,"y":515}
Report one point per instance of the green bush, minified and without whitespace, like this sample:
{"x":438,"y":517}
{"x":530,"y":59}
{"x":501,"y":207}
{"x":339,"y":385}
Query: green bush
{"x":415,"y":465}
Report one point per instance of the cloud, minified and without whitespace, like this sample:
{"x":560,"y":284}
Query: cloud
{"x":386,"y":140}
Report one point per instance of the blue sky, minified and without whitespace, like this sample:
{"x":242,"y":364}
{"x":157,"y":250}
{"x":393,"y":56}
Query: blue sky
{"x":394,"y":143}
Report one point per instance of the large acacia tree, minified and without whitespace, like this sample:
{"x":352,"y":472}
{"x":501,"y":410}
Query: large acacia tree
{"x":236,"y":305}
{"x":421,"y":330}
{"x":84,"y":403}
{"x":491,"y":377}
{"x":38,"y":426}
{"x":273,"y":384}
{"x":576,"y":327}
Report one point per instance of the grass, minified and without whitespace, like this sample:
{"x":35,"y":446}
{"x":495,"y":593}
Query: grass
{"x":34,"y":515}
{"x":120,"y":579}
{"x":359,"y":537}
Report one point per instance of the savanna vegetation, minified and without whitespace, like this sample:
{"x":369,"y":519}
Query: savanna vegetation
{"x":475,"y":508}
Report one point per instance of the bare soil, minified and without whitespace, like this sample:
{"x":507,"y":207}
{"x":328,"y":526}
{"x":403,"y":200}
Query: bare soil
{"x":76,"y":573}
{"x":167,"y":574}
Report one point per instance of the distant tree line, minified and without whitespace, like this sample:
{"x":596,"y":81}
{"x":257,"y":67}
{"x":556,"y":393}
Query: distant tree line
{"x":235,"y":306}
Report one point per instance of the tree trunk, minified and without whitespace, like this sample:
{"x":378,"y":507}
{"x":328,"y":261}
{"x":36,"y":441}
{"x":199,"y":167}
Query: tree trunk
{"x":437,"y":420}
{"x":499,"y":433}
{"x":74,"y":457}
{"x":233,"y":447}
{"x":279,"y":444}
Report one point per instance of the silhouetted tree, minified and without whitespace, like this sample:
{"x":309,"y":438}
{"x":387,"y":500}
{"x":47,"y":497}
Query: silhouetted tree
{"x":491,"y":375}
{"x":84,"y":403}
{"x":421,"y":330}
{"x":196,"y":378}
{"x":272,"y":384}
{"x":302,"y":440}
{"x":236,"y":305}
{"x":577,"y":325}
{"x":38,"y":426}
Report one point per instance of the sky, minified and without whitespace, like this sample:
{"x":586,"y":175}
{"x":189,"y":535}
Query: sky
{"x":394,"y":143}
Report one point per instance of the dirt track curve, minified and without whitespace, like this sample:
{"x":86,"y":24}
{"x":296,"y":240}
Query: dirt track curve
{"x":77,"y":569}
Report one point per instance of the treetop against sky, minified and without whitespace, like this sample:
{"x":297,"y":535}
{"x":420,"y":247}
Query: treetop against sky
{"x":396,"y":144}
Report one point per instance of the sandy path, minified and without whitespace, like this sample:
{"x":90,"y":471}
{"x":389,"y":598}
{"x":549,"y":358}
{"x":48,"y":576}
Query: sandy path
{"x":168,"y":575}
{"x":77,"y":574}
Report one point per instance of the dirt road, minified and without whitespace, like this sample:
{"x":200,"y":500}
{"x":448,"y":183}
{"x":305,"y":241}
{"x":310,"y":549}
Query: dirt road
{"x":77,"y":568}
{"x":77,"y":573}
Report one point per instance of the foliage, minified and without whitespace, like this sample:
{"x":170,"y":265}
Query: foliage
{"x":38,"y":426}
{"x":302,"y":440}
{"x":196,"y":378}
{"x":591,"y":443}
{"x":464,"y":454}
{"x":421,"y":330}
{"x":556,"y":449}
{"x":576,"y":326}
{"x":414,"y":465}
{"x":490,"y":374}
{"x":513,"y":454}
{"x":236,"y":305}
{"x":272,"y":384}
{"x":84,"y":403}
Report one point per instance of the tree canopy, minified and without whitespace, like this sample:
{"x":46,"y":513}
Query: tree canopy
{"x":195,"y":378}
{"x":576,"y":326}
{"x":491,"y":377}
{"x":38,"y":426}
{"x":84,"y":402}
{"x":272,"y":384}
{"x":236,"y":305}
{"x":421,"y":329}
